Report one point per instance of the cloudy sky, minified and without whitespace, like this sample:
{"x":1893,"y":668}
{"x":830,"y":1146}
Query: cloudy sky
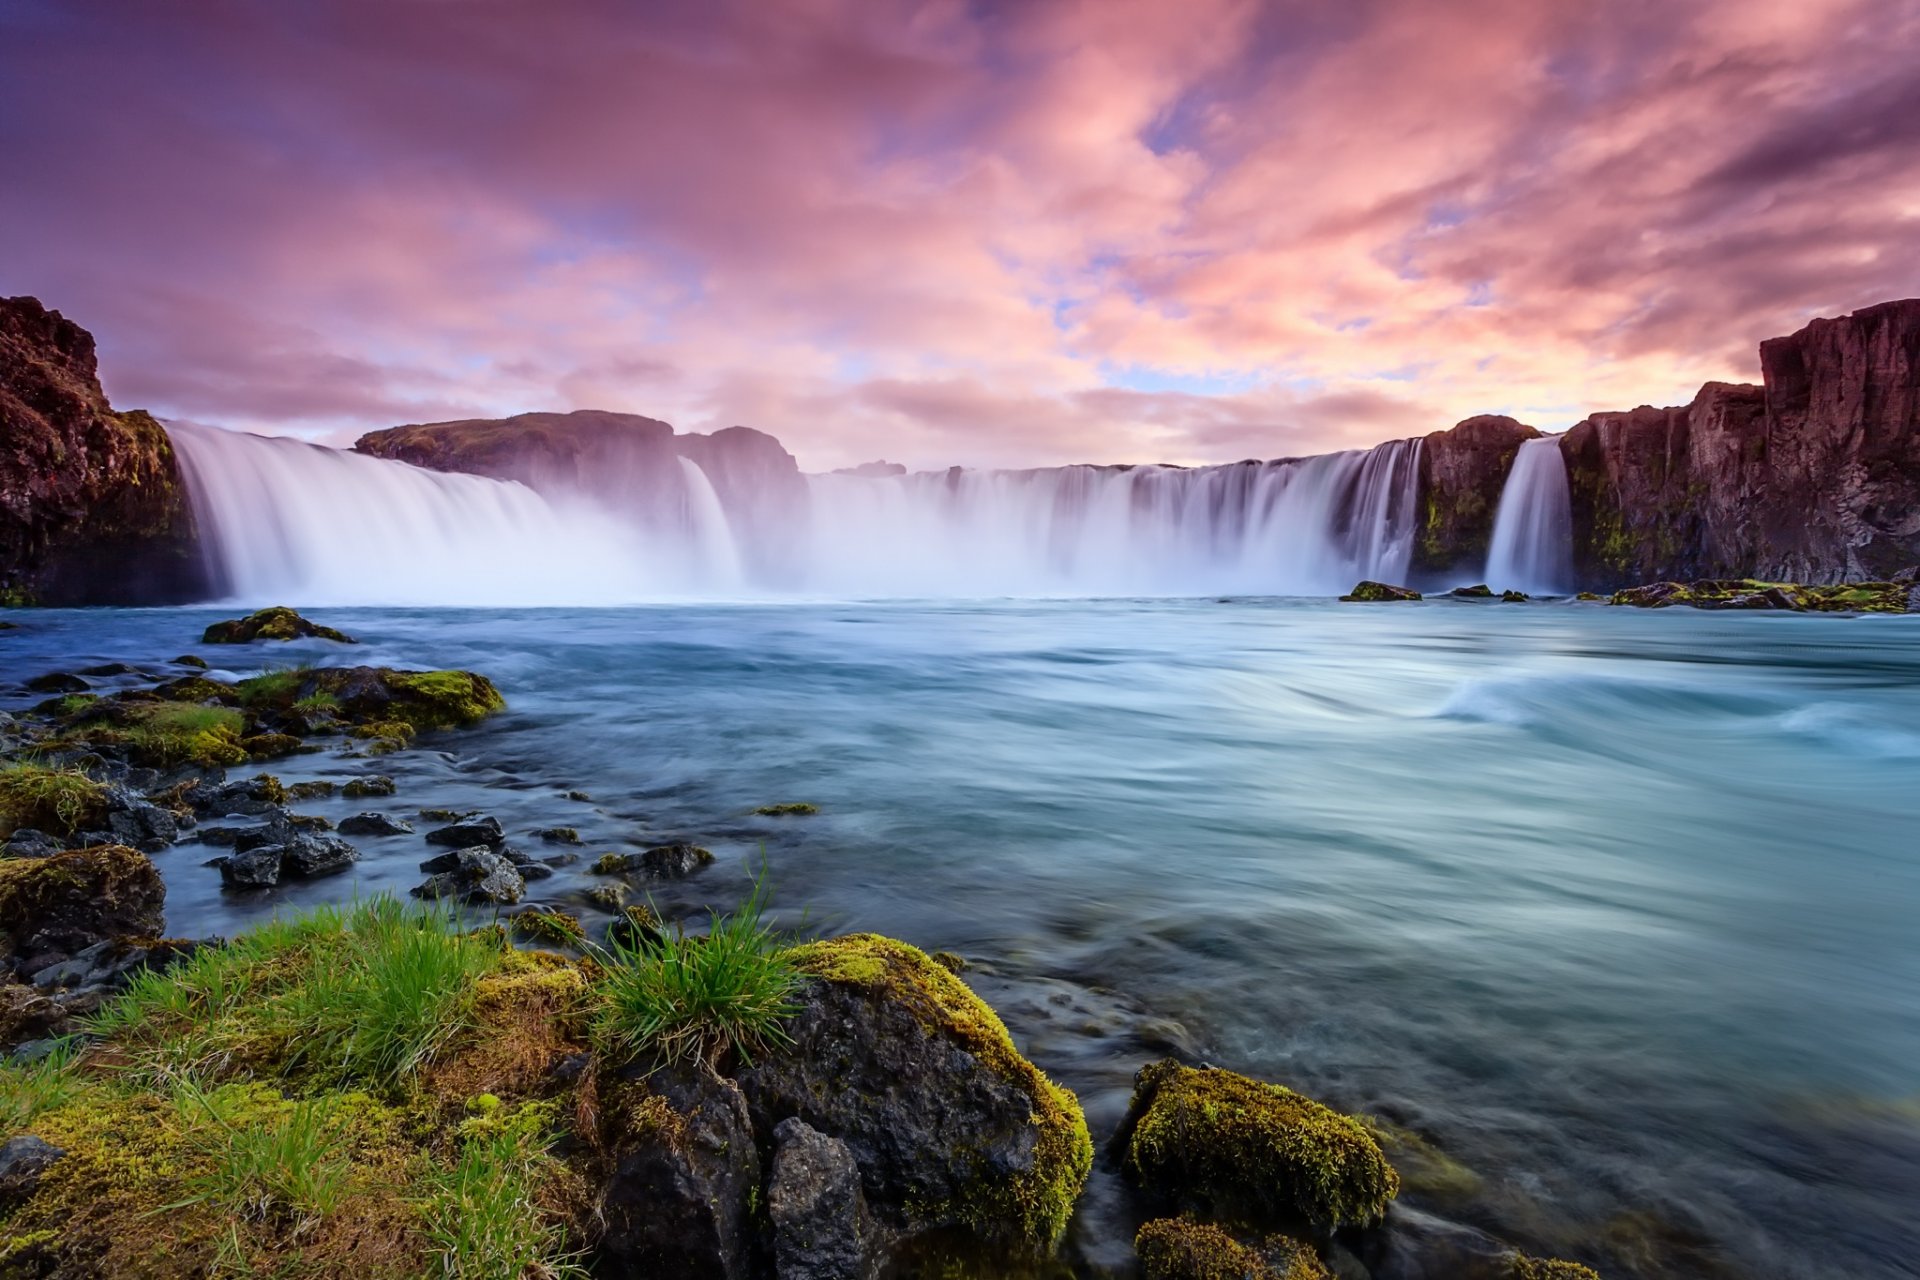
{"x":987,"y":233}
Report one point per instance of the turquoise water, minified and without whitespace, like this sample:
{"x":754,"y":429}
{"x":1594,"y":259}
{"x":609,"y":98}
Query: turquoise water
{"x":1615,"y":908}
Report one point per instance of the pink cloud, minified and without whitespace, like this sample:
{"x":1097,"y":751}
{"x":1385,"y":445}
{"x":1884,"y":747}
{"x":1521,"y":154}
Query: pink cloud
{"x":935,"y":231}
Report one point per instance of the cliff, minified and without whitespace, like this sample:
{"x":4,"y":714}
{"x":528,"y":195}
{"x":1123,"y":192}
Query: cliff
{"x":92,"y":509}
{"x":1462,"y":471}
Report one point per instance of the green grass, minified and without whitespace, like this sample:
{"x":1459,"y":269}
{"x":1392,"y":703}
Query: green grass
{"x":364,"y":995}
{"x":47,"y":798}
{"x":267,"y":1159}
{"x":482,"y":1216}
{"x":27,"y":1090}
{"x":272,"y":686}
{"x":699,"y":998}
{"x":170,"y":733}
{"x":314,"y":703}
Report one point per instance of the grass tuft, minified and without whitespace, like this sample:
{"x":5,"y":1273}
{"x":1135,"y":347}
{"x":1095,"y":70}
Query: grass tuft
{"x":55,"y":800}
{"x":699,"y":998}
{"x":483,"y":1214}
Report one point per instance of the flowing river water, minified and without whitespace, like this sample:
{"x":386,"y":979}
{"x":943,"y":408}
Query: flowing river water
{"x":1615,"y":909}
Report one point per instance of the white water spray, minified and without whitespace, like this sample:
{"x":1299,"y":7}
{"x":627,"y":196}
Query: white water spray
{"x":283,"y":520}
{"x":1532,"y":546}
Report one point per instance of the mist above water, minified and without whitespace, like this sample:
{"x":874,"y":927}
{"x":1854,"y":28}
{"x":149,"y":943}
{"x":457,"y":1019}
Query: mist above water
{"x":282,"y":519}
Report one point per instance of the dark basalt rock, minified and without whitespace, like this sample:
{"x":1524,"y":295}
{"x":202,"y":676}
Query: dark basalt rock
{"x":57,"y":682}
{"x":23,"y":1160}
{"x":663,"y":862}
{"x":468,"y":832}
{"x":1479,"y":591}
{"x":472,"y":875}
{"x":685,"y":1165}
{"x":820,"y":1225}
{"x":276,"y":623}
{"x":1462,"y":471}
{"x":377,"y":784}
{"x":249,"y":797}
{"x":951,"y":1128}
{"x":257,"y":868}
{"x":374,"y":824}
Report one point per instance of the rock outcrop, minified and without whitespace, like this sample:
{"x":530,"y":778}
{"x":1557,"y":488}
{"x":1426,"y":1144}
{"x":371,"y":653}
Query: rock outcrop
{"x":1462,"y":471}
{"x":92,"y":508}
{"x":633,"y":465}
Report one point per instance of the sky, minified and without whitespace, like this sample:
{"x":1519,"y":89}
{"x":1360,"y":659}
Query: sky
{"x":993,"y":234}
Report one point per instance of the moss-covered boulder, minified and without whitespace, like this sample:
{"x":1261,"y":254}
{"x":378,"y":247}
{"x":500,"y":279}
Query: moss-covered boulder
{"x":1371,"y":592}
{"x":1229,"y":1146}
{"x":1528,"y":1268}
{"x":57,"y":801}
{"x":951,"y":1127}
{"x":74,"y":899}
{"x":1187,"y":1249}
{"x":276,"y":623}
{"x":1754,"y":594}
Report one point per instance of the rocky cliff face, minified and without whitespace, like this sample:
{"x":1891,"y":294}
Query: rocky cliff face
{"x":1462,"y":471}
{"x":92,"y":509}
{"x":1812,"y":477}
{"x":633,"y":465}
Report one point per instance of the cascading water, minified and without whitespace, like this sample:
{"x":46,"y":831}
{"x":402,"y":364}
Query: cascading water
{"x":286,"y":520}
{"x":1310,"y":526}
{"x":1532,"y":546}
{"x":282,"y":520}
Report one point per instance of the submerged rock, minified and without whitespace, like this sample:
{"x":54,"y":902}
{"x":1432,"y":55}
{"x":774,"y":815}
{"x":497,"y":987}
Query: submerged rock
{"x":374,"y":824}
{"x":662,"y":862}
{"x":276,"y":623}
{"x":1227,"y":1145}
{"x":950,"y":1126}
{"x":1375,"y":592}
{"x":1748,"y":593}
{"x":468,"y":832}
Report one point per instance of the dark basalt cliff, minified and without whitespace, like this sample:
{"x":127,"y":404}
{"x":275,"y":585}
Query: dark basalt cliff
{"x":1812,"y":477}
{"x":92,"y":509}
{"x":629,"y":462}
{"x":1461,"y":474}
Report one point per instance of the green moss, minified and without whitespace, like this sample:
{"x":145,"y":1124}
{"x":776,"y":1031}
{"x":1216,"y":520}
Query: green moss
{"x":556,"y":927}
{"x":792,"y":810}
{"x":1422,"y":1166}
{"x":165,"y":734}
{"x":1254,"y":1149}
{"x":1184,"y":1249}
{"x":371,"y":785}
{"x":270,"y":746}
{"x":1379,"y":592}
{"x":275,"y":688}
{"x":57,"y":801}
{"x":311,"y":790}
{"x":443,"y":699}
{"x":1039,"y":1198}
{"x":1526,"y":1268}
{"x":276,"y":623}
{"x":560,"y":835}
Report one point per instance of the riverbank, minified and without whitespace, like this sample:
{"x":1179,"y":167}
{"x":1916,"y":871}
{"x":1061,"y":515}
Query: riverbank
{"x":1247,"y":890}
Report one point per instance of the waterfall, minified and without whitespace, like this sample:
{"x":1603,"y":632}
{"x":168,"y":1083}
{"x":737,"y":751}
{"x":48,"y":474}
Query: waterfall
{"x":284,"y":520}
{"x":1533,"y":530}
{"x":1311,"y":526}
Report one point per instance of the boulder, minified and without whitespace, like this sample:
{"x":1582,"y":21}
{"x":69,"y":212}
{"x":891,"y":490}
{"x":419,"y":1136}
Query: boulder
{"x":374,"y":824}
{"x":678,"y":1202}
{"x":472,"y":875}
{"x":1479,"y":591}
{"x":1187,"y":1249}
{"x":663,"y":862}
{"x":257,"y":795}
{"x":376,"y":784}
{"x":951,"y":1127}
{"x":820,"y":1225}
{"x":57,"y":682}
{"x":1225,"y":1145}
{"x":468,"y":832}
{"x":276,"y":623}
{"x":1376,"y":592}
{"x":72,"y":900}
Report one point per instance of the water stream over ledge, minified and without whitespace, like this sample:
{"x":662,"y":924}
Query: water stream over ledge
{"x":1614,"y":907}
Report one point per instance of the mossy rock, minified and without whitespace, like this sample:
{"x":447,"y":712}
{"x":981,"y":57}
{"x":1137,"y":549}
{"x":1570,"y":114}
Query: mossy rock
{"x":1186,"y":1249}
{"x":798,"y":809}
{"x":160,"y":733}
{"x":1515,"y":597}
{"x":1526,"y":1268}
{"x":270,"y":746}
{"x":1479,"y":591}
{"x":59,"y":802}
{"x":76,"y":898}
{"x":1379,"y":592}
{"x":276,"y":623}
{"x":1228,"y":1145}
{"x":376,"y":784}
{"x":555,"y":928}
{"x":1755,"y":594}
{"x":952,"y":1128}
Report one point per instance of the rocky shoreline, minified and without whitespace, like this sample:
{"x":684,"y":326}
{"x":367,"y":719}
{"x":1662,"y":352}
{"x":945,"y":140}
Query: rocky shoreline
{"x":883,"y":1123}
